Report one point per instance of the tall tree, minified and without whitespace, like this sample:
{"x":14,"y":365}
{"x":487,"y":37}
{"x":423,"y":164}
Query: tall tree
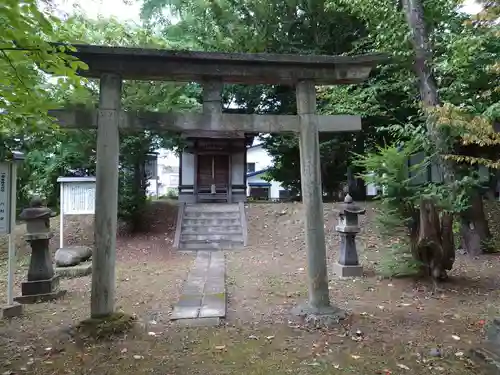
{"x":25,"y":51}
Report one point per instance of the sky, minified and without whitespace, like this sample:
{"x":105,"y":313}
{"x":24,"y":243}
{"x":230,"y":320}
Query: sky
{"x":130,"y":10}
{"x":124,"y":11}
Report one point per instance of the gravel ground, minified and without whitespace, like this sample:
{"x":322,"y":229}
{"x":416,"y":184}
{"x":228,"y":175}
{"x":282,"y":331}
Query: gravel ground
{"x":424,"y":334}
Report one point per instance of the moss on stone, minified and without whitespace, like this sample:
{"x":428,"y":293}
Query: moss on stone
{"x":107,"y":326}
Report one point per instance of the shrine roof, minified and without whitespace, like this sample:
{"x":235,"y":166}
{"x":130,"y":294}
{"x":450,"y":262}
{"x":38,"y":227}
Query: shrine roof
{"x":244,"y":68}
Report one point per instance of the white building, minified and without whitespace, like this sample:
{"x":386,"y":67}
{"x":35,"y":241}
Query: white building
{"x":168,"y":174}
{"x":258,"y":163}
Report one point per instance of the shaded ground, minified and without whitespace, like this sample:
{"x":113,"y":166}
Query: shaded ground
{"x":397,"y":321}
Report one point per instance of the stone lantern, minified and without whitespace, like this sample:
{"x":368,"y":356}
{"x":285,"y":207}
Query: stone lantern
{"x":41,"y":285}
{"x":348,"y":226}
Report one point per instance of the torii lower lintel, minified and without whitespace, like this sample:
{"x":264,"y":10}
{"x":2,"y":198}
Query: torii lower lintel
{"x":87,"y":118}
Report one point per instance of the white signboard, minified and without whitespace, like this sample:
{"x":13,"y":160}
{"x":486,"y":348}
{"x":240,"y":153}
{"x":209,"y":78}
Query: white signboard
{"x":151,"y":167}
{"x":5,"y":192}
{"x":77,"y":198}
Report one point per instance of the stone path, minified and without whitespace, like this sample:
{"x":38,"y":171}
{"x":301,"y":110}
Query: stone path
{"x":204,"y":293}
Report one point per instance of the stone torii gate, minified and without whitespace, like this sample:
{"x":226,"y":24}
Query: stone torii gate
{"x":111,"y":65}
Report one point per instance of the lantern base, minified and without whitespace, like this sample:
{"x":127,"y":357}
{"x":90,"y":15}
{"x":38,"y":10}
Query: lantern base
{"x":37,"y":298}
{"x":342,"y":270}
{"x":40,"y":291}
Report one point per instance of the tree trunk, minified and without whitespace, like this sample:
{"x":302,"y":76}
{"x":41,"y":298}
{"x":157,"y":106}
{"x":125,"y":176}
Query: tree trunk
{"x":435,"y":241}
{"x":434,"y":233}
{"x":476,"y":235}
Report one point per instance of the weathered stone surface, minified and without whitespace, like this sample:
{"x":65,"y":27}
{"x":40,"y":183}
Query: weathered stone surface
{"x":199,"y":322}
{"x":318,"y":318}
{"x":347,"y":271}
{"x":79,"y":270}
{"x":12,"y":311}
{"x":36,"y":298}
{"x":29,"y":288}
{"x":40,"y":262}
{"x":348,"y":254}
{"x":204,"y":295}
{"x":488,"y":354}
{"x":71,"y":256}
{"x":489,"y":357}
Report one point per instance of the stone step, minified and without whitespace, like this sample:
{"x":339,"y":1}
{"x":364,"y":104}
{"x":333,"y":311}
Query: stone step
{"x":214,"y":229}
{"x":216,"y":207}
{"x":211,"y":215}
{"x":238,"y":237}
{"x":202,"y":245}
{"x":188,"y":222}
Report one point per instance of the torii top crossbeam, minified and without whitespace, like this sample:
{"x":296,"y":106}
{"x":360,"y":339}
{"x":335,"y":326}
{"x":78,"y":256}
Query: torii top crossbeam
{"x":243,"y":68}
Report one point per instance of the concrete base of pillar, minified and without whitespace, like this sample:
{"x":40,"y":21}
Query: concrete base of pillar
{"x":488,"y":356}
{"x":37,"y":298}
{"x":347,"y":271}
{"x":12,"y":311}
{"x":79,"y":270}
{"x":322,"y":317}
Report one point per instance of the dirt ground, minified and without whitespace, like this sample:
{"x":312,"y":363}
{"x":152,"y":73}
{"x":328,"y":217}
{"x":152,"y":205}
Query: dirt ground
{"x":395,"y":326}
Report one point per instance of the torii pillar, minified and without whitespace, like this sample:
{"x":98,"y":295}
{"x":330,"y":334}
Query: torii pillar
{"x":312,"y":198}
{"x":102,"y":300}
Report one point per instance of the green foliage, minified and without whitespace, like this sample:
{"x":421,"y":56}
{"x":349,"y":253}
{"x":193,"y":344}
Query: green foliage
{"x":52,"y":152}
{"x":388,"y":168}
{"x":25,"y":33}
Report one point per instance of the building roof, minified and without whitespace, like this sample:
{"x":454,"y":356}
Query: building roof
{"x":251,"y":174}
{"x":254,"y":146}
{"x":244,"y":68}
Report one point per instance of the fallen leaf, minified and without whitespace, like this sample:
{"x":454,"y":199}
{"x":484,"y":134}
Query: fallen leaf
{"x":404,"y":367}
{"x":335,"y":366}
{"x":459,"y":354}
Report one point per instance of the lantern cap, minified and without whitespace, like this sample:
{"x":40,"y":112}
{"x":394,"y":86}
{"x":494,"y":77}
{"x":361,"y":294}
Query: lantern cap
{"x":349,"y":206}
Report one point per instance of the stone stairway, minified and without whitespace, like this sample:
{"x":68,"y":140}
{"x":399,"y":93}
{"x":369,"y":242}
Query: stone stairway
{"x":211,"y":226}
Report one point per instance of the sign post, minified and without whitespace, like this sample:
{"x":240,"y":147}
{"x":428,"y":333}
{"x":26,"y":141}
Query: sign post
{"x":8,"y":195}
{"x":151,"y":170}
{"x":77,"y":198}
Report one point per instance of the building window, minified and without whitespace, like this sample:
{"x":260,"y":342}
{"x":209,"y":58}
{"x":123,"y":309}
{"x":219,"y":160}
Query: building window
{"x":250,"y":167}
{"x":260,"y":193}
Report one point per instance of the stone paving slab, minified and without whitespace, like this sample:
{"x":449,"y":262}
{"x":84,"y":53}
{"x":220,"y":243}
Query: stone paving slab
{"x":203,"y":296}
